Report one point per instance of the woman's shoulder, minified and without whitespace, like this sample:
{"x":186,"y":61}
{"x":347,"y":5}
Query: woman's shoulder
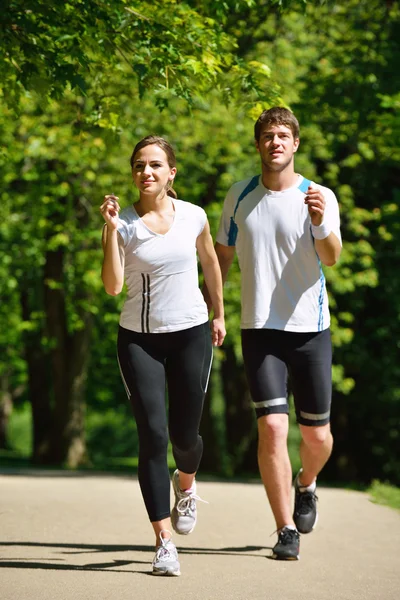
{"x":189,"y":209}
{"x":128,"y":215}
{"x":127,"y":221}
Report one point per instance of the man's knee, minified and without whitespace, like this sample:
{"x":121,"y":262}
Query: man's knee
{"x":316,"y":436}
{"x":273,"y":429}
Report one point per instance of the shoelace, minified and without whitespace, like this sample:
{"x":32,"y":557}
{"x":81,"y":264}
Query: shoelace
{"x":163,"y":553}
{"x":186,"y":504}
{"x":305,"y":501}
{"x":286,"y":536}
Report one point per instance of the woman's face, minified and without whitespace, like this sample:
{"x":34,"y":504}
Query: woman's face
{"x":151,"y":171}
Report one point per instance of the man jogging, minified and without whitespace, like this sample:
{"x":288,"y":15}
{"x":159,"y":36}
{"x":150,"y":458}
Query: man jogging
{"x":283,"y":227}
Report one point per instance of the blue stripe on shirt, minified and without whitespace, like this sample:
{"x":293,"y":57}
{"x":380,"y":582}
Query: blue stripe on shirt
{"x":321,"y":298}
{"x":233,"y":229}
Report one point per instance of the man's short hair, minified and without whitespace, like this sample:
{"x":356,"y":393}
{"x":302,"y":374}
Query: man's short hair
{"x":277,"y":116}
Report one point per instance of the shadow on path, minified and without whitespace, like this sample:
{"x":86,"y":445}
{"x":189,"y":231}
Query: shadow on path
{"x":113,"y":565}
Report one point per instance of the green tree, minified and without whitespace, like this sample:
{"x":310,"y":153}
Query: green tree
{"x":336,"y":65}
{"x":342,"y":80}
{"x":87,"y":59}
{"x":166,"y":47}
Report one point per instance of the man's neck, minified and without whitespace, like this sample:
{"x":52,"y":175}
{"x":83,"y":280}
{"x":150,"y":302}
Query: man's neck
{"x":279,"y":181}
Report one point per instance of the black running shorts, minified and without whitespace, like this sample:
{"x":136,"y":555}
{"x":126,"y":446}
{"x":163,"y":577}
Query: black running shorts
{"x":278,"y":360}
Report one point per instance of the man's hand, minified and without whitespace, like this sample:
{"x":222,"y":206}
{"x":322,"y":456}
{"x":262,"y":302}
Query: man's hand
{"x":316,"y":205}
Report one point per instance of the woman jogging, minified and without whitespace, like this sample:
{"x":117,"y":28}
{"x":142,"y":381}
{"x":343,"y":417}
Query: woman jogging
{"x":164,"y":338}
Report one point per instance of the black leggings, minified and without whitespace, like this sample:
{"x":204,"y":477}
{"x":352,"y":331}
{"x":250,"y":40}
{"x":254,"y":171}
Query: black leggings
{"x":148,"y":361}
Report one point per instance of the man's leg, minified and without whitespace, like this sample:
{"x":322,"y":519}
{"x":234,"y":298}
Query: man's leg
{"x":315,"y":450}
{"x":310,"y":369}
{"x":275,"y":467}
{"x":267,"y":374}
{"x":276,"y":474}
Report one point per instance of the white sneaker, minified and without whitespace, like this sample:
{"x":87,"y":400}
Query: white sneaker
{"x":184,"y":512}
{"x":166,"y":560}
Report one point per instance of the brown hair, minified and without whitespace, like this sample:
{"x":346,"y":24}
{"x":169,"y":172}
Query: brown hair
{"x":164,"y":145}
{"x":277,"y":116}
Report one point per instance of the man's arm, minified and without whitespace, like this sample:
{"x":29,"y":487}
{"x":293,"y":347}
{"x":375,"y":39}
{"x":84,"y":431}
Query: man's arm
{"x":328,"y":249}
{"x":225,"y":255}
{"x":327,"y":244}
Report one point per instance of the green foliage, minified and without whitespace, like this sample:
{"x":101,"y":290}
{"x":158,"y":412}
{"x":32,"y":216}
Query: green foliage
{"x":383,"y":493}
{"x":52,"y":47}
{"x":20,"y":431}
{"x":336,"y":65}
{"x":110,"y":435}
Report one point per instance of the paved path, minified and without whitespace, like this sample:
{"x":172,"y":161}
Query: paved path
{"x":71,"y":537}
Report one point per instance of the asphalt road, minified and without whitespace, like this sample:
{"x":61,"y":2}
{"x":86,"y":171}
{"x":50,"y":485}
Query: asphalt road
{"x":70,"y":536}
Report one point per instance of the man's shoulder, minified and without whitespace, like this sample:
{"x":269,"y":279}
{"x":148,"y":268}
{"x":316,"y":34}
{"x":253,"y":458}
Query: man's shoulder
{"x":244,"y":185}
{"x":323,"y":188}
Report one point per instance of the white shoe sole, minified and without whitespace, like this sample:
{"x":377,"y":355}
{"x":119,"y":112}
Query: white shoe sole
{"x":166,"y":573}
{"x":181,"y":532}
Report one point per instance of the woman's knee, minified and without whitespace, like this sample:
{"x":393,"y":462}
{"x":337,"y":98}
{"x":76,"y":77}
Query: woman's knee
{"x":153,"y":442}
{"x":187,"y":453}
{"x":185,"y":441}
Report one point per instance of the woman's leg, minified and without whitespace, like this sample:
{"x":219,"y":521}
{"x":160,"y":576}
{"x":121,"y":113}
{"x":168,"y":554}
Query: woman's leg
{"x":188,"y":369}
{"x":143,"y":373}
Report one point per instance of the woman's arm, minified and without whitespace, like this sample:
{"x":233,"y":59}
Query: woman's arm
{"x":112,"y":272}
{"x":213,"y":280}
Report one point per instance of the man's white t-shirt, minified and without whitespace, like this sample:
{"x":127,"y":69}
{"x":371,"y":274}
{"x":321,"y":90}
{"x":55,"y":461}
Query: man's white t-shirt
{"x":161,"y":272}
{"x":283,"y":285}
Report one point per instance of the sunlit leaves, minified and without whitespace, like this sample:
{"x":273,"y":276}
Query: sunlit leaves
{"x":166,"y":47}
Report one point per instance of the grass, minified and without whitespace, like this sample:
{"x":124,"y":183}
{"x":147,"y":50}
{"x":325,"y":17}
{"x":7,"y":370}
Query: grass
{"x":12,"y":459}
{"x":20,"y":431}
{"x":20,"y":438}
{"x":384,"y":493}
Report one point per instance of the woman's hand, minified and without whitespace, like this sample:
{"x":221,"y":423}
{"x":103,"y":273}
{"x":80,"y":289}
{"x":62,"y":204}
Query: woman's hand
{"x":218,"y":331}
{"x":110,"y":209}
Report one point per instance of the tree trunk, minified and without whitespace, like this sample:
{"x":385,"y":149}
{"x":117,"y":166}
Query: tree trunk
{"x":38,"y":382}
{"x":213,"y":452}
{"x":241,"y":426}
{"x":341,"y":465}
{"x":69,"y":355}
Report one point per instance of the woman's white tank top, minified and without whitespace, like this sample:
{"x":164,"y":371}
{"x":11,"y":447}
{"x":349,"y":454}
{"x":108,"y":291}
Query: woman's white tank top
{"x":161,"y":272}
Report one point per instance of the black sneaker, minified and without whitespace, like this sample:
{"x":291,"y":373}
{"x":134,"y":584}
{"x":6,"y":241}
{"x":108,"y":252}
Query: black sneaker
{"x":288,"y":545}
{"x":305,"y":514}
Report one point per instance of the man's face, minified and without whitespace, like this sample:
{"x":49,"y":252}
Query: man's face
{"x":276,"y":146}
